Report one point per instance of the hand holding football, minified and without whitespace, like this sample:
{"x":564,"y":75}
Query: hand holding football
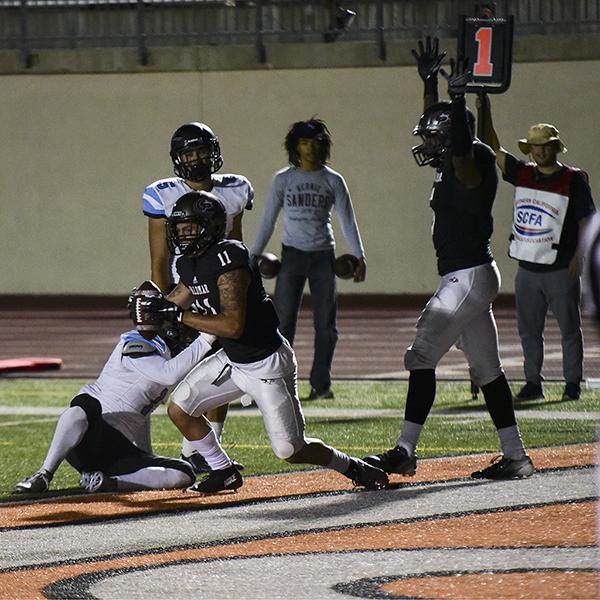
{"x":269,"y":265}
{"x":345,"y":265}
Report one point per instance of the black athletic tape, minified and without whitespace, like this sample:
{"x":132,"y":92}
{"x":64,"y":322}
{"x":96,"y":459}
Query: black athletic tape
{"x":460,"y":132}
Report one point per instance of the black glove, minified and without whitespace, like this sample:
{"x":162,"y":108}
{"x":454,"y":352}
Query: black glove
{"x":160,"y":308}
{"x":458,"y":78}
{"x":429,"y":58}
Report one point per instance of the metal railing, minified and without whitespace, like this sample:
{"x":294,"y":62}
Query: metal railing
{"x":30,"y":25}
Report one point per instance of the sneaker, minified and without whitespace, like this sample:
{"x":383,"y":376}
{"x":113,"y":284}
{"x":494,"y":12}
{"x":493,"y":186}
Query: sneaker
{"x":366,"y":475}
{"x":199,"y":464}
{"x":572,"y":392}
{"x":530,"y":391}
{"x":323,"y":395}
{"x":219,"y":481}
{"x":97,"y":481}
{"x":395,"y":460}
{"x":38,"y":482}
{"x":506,"y":468}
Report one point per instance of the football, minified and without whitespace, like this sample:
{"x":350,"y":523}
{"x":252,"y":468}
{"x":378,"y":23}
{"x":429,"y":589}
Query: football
{"x":147,"y":327}
{"x":269,"y":265}
{"x":344,"y":266}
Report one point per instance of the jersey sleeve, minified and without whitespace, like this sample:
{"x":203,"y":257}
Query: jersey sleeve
{"x":346,"y":217}
{"x":153,"y":205}
{"x":230,"y":255}
{"x":168,"y":372}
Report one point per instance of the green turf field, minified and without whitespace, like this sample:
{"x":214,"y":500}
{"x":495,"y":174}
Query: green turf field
{"x":454,"y":427}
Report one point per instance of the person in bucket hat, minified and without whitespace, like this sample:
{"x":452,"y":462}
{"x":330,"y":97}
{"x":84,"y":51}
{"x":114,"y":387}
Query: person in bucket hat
{"x":540,"y":135}
{"x":552,"y":204}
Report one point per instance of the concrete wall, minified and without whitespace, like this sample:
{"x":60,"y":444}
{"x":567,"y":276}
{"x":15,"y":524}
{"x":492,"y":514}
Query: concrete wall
{"x":77,"y":150}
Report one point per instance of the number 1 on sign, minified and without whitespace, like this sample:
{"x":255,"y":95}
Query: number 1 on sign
{"x":483,"y":67}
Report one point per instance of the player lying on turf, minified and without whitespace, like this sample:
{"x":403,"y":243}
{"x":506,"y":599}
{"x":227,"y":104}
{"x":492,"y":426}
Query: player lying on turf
{"x":215,"y":273}
{"x":105,"y":433}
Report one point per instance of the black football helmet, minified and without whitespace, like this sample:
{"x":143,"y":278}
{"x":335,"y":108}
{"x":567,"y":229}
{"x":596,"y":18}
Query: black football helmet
{"x":196,"y":208}
{"x":434,"y":130}
{"x":195,"y":136}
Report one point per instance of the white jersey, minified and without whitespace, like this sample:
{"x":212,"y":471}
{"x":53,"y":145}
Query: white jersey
{"x":234,"y":191}
{"x":130,"y":387}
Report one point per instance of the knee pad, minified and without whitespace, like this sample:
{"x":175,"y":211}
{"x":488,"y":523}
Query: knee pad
{"x":285,"y":449}
{"x":415,"y":360}
{"x":91,"y":406}
{"x":181,"y":394}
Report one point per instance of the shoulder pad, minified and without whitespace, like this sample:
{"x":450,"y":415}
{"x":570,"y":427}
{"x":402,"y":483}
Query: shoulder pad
{"x":138,"y":348}
{"x":230,"y":180}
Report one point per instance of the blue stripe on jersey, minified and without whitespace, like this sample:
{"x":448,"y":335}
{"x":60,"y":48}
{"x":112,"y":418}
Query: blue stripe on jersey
{"x":149,"y":207}
{"x":157,"y":342}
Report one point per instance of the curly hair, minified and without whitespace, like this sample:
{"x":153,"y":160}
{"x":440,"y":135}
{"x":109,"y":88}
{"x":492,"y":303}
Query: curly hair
{"x":311,"y":129}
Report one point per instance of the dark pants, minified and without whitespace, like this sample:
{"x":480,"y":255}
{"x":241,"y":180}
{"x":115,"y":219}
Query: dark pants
{"x":536,"y":293}
{"x":104,"y":448}
{"x":296,"y":267}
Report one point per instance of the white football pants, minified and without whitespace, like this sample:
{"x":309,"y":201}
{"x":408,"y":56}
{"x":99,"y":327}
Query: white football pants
{"x":460,"y":312}
{"x":270,"y":382}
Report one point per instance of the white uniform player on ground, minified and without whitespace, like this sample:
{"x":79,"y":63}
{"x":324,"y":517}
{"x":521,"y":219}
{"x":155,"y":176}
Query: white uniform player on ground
{"x":460,"y":311}
{"x":196,"y":155}
{"x":105,"y":433}
{"x":254,"y":358}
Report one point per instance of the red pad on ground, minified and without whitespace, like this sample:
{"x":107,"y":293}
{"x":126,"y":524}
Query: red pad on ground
{"x":11,"y":365}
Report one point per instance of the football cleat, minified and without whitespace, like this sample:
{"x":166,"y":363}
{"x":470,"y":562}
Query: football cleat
{"x":363,"y":474}
{"x":219,"y":480}
{"x":395,"y":460}
{"x":96,"y":481}
{"x":38,"y":482}
{"x":197,"y":461}
{"x":200,"y":465}
{"x":502,"y":467}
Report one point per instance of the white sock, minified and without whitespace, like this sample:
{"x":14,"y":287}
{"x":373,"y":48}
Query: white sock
{"x":186,"y":448}
{"x":339,"y":462}
{"x":218,"y":429}
{"x":511,"y":442}
{"x":70,"y":429}
{"x":212,"y":451}
{"x":409,"y":438}
{"x":153,"y":478}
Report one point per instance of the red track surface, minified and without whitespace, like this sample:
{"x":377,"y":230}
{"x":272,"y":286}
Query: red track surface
{"x":371,"y":344}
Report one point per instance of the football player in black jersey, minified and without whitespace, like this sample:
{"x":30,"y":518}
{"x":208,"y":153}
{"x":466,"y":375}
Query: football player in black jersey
{"x":215,"y":274}
{"x":460,"y":311}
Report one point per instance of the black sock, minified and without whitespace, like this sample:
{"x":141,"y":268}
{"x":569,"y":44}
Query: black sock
{"x":420,"y":396}
{"x":499,"y":402}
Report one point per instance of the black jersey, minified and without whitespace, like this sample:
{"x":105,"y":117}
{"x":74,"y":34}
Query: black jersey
{"x":463,"y":222}
{"x":260,"y":337}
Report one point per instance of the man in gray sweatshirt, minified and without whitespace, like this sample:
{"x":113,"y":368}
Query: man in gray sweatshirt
{"x":307,"y":191}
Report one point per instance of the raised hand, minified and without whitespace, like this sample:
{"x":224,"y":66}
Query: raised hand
{"x":458,"y":78}
{"x":429,"y":58}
